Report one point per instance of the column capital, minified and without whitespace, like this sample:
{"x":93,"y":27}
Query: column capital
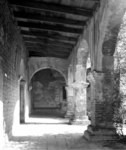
{"x":69,"y":90}
{"x":22,"y":82}
{"x":68,"y":87}
{"x":80,"y":84}
{"x":98,"y":75}
{"x":79,"y":66}
{"x":95,"y":76}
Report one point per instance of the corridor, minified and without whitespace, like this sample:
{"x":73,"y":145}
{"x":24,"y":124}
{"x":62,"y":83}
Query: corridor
{"x":62,"y":74}
{"x":56,"y":137}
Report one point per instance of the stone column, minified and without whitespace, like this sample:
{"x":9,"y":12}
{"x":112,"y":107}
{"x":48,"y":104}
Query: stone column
{"x":70,"y":102}
{"x":101,"y":127}
{"x":80,"y":116}
{"x":96,"y":80}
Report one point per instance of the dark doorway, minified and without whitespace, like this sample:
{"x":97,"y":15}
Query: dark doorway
{"x":48,"y":93}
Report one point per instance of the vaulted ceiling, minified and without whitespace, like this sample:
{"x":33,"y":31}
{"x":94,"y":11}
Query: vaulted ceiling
{"x":51,"y":28}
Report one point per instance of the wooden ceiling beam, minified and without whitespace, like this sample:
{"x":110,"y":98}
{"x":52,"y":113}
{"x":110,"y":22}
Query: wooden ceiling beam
{"x":46,"y":52}
{"x":47,"y":18}
{"x":51,"y":7}
{"x":50,"y":35}
{"x":50,"y":27}
{"x":41,"y":54}
{"x":48,"y":47}
{"x":47,"y":42}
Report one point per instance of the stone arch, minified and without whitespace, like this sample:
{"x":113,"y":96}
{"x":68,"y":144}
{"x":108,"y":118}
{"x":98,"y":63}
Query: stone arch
{"x":116,"y":11}
{"x":48,"y":68}
{"x":113,"y":29}
{"x":47,"y":90}
{"x":53,"y":63}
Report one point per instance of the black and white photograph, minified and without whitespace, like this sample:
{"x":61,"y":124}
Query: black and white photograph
{"x":62,"y":74}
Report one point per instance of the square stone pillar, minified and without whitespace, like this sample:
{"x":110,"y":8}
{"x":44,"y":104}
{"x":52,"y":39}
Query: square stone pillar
{"x":80,"y":85}
{"x":101,"y":127}
{"x":70,"y":102}
{"x":80,"y":114}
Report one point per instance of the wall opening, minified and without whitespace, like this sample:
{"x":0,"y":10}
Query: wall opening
{"x":48,"y":93}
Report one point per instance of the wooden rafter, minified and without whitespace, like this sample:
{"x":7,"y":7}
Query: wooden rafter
{"x":50,"y":35}
{"x":50,"y":27}
{"x":53,"y":7}
{"x":47,"y":42}
{"x":42,"y":54}
{"x":46,"y":47}
{"x":47,"y":18}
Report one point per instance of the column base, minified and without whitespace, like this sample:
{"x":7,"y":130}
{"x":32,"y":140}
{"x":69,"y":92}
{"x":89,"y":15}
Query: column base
{"x":69,"y":115}
{"x":80,"y":121}
{"x":94,"y":134}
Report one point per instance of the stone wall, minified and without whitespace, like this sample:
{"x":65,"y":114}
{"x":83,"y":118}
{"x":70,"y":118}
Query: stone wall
{"x":36,"y":64}
{"x":11,"y":51}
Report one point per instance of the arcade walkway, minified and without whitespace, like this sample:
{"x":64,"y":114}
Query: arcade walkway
{"x":55,"y":137}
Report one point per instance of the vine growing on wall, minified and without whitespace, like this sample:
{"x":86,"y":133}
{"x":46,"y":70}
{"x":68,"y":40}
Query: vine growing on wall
{"x":119,"y":95}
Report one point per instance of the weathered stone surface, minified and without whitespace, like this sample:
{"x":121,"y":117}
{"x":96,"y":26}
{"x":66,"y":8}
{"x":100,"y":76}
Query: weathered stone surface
{"x":35,"y":64}
{"x":99,"y":38}
{"x":70,"y":102}
{"x":11,"y":51}
{"x":100,"y":134}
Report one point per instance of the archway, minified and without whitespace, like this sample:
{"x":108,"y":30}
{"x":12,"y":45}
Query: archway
{"x":48,"y":96}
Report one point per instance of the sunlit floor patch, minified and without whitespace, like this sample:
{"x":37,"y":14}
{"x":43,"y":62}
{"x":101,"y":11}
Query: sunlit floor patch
{"x":37,"y":126}
{"x":48,"y":120}
{"x":43,"y":129}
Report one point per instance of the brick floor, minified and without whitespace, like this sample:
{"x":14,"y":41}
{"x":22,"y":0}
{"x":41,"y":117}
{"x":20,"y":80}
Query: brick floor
{"x":55,"y":137}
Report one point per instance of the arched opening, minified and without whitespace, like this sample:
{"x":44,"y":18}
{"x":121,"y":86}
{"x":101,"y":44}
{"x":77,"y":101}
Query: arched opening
{"x":42,"y":68}
{"x":48,"y":95}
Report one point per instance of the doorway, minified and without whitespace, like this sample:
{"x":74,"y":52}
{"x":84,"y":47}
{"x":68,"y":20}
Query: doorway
{"x":48,"y":95}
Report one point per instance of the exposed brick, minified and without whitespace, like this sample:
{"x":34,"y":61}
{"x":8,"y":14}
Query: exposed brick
{"x":11,"y":47}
